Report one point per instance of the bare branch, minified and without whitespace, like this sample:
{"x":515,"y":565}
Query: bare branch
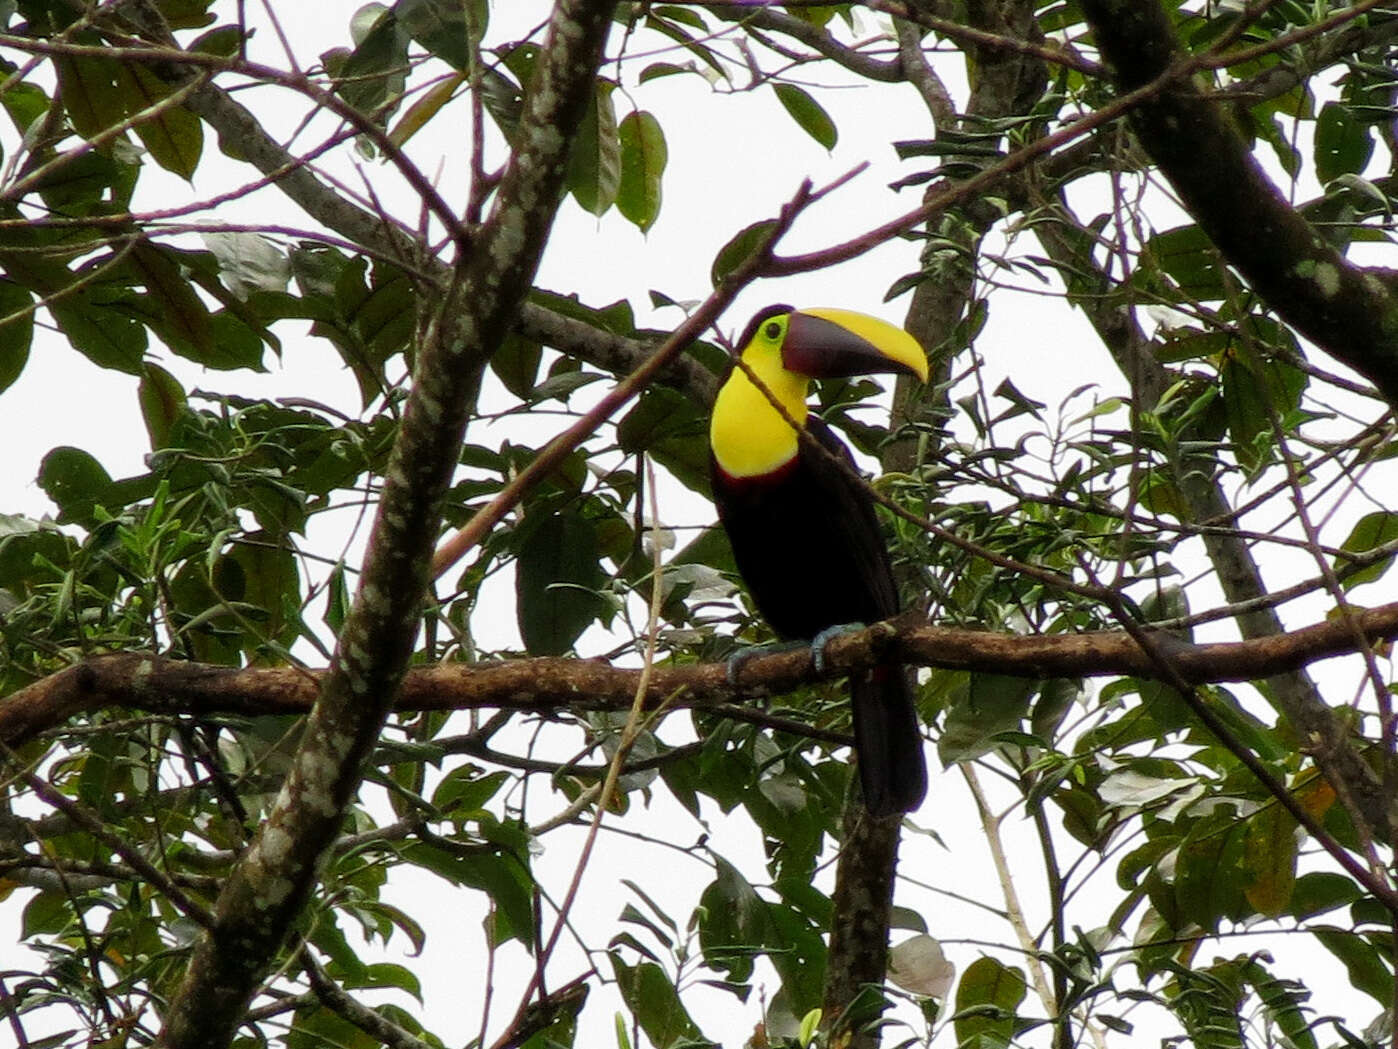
{"x":152,"y":683}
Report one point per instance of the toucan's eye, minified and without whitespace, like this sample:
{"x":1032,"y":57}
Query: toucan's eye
{"x":772,"y":330}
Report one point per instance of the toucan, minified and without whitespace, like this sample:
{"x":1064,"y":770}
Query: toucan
{"x":802,"y":526}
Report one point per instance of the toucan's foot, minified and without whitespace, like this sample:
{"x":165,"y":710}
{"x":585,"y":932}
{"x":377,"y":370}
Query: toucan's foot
{"x":824,"y":638}
{"x":749,"y":652}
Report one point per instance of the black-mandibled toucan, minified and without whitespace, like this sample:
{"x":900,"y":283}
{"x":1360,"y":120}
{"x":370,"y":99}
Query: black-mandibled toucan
{"x":803,"y":530}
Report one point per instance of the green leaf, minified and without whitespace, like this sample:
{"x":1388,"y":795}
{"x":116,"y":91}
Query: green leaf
{"x":656,"y":70}
{"x":426,"y":106}
{"x":172,"y":135}
{"x":987,"y":996}
{"x":372,"y":77}
{"x":988,"y":705}
{"x":502,"y":97}
{"x":180,"y":317}
{"x":88,"y":87}
{"x":1252,"y":392}
{"x":643,"y":158}
{"x":233,"y":344}
{"x":16,"y":331}
{"x":741,"y":247}
{"x":1270,"y":860}
{"x":670,"y":427}
{"x":464,"y":790}
{"x":75,"y":481}
{"x":1367,"y":969}
{"x":670,"y":20}
{"x":556,"y":583}
{"x":594,"y":167}
{"x":1370,"y":532}
{"x":1188,"y":256}
{"x":29,"y":547}
{"x":337,"y":598}
{"x":1343,"y":145}
{"x":108,"y":337}
{"x":268,"y":581}
{"x":1210,"y":871}
{"x":386,"y":319}
{"x":1321,"y":891}
{"x":654,"y":1002}
{"x":516,"y":364}
{"x":809,"y":115}
{"x":1284,"y":1003}
{"x":501,"y":877}
{"x":445,"y":28}
{"x":162,"y":403}
{"x":47,"y":912}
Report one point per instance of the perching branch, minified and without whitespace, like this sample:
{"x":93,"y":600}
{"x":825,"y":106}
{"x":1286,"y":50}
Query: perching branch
{"x":481,"y":304}
{"x":151,"y":683}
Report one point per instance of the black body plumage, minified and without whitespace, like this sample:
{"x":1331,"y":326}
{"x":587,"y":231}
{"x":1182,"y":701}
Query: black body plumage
{"x":808,"y":545}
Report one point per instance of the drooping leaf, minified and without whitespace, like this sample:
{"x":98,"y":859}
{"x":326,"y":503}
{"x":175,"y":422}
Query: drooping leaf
{"x":1270,"y":860}
{"x":810,"y":115}
{"x":372,"y":77}
{"x":172,"y":135}
{"x":16,"y":331}
{"x":594,"y":166}
{"x":653,"y":1000}
{"x":643,"y":158}
{"x":75,"y":481}
{"x":987,"y":996}
{"x":109,"y":337}
{"x":1210,"y":872}
{"x":516,"y":364}
{"x":426,"y":106}
{"x":445,"y":28}
{"x":180,"y":317}
{"x":162,"y":401}
{"x":556,"y":583}
{"x":1364,"y":963}
{"x":1188,"y":256}
{"x":88,"y":87}
{"x":990,"y":704}
{"x":1343,"y":145}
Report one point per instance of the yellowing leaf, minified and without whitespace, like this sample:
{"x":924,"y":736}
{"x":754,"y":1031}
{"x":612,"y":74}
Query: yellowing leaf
{"x":1269,"y":857}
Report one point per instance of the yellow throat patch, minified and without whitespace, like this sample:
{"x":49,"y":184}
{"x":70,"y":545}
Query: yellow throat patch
{"x":749,"y":437}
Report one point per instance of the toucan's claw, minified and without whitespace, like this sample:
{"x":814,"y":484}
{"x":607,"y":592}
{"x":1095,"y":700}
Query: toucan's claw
{"x":750,"y":652}
{"x":824,"y":638}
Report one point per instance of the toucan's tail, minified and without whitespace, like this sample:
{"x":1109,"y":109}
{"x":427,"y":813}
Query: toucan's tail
{"x":887,"y":740}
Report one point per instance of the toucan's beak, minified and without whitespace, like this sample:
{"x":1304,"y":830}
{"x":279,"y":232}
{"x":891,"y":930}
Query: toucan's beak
{"x":836,"y":344}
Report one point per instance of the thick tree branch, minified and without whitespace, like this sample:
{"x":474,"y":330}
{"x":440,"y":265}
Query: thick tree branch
{"x":152,"y":683}
{"x":1292,"y":692}
{"x":294,"y":177}
{"x":270,"y":883}
{"x":1348,"y":311}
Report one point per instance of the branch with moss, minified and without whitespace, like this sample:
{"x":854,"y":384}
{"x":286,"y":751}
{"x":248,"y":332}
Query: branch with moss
{"x":134,"y":681}
{"x":1349,"y":311}
{"x":278,"y":872}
